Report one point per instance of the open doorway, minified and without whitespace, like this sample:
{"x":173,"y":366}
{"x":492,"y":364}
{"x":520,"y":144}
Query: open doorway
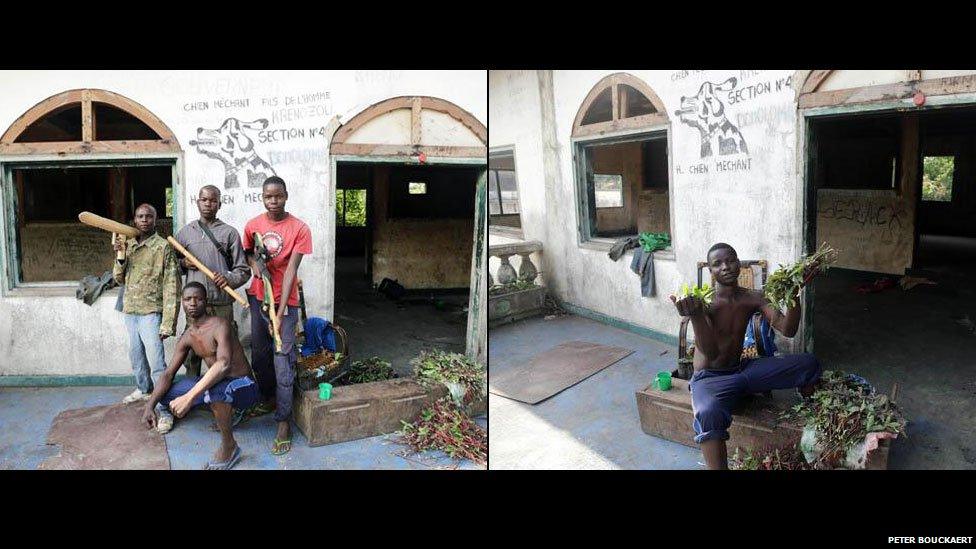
{"x":895,"y":193}
{"x":411,"y":224}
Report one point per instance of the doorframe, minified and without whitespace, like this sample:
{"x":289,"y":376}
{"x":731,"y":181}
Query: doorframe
{"x":807,"y":197}
{"x":479,"y":260}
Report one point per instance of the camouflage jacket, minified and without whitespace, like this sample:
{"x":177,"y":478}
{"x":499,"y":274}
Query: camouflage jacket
{"x":151,"y":277}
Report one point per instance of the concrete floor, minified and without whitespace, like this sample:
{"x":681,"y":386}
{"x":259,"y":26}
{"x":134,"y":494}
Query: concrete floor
{"x":591,"y":425}
{"x":394,"y":331}
{"x":26,"y":415}
{"x":911,"y":337}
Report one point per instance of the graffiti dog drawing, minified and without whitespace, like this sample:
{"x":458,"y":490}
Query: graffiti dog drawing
{"x":706,"y":112}
{"x":233,"y":147}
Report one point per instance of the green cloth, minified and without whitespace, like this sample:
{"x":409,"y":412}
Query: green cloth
{"x":152,"y":280}
{"x":654,"y":241}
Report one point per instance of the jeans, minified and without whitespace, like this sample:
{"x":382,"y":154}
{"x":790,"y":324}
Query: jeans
{"x":144,"y":342}
{"x":275,"y":372}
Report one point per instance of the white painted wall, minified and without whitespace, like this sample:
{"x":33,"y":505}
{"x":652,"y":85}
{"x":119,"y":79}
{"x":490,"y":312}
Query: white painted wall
{"x":56,"y":334}
{"x":752,"y":205}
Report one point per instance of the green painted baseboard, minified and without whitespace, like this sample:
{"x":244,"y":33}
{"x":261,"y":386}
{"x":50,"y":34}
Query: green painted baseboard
{"x":618,"y":323}
{"x":70,"y":381}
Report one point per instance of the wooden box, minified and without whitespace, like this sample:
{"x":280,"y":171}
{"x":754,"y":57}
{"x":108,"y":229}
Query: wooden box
{"x":361,"y":410}
{"x":668,"y":415}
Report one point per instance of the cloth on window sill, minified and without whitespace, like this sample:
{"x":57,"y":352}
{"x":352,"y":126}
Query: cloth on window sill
{"x":643,"y":265}
{"x":622,"y":246}
{"x":91,"y":287}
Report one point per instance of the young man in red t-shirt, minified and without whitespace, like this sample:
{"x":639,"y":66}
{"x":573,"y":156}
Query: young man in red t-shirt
{"x":287,"y":239}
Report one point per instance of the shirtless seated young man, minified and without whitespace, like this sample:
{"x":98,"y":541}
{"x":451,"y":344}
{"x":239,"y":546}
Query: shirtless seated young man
{"x":228,"y":383}
{"x":720,"y":378}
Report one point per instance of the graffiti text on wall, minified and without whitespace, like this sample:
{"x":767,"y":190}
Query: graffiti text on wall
{"x":747,"y":93}
{"x":864,"y":213}
{"x":232,"y":143}
{"x":718,"y":166}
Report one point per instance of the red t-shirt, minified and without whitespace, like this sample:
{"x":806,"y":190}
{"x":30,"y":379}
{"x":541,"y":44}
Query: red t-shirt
{"x":281,"y":238}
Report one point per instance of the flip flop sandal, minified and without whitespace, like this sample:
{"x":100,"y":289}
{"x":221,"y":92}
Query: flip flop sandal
{"x":281,"y":447}
{"x":239,"y":417}
{"x":225,"y":465}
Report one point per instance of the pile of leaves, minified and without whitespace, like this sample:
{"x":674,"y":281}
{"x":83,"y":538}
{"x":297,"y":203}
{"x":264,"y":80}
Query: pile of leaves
{"x":654,"y":241}
{"x":371,"y":369}
{"x":843,"y":410}
{"x":703,"y":292}
{"x":788,"y":458}
{"x":443,"y":426}
{"x":451,"y":369}
{"x":511,"y":287}
{"x":783,"y":285}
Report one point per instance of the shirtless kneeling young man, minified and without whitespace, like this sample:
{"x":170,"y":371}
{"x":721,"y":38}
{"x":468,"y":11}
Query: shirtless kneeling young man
{"x":720,"y":377}
{"x":227,"y":384}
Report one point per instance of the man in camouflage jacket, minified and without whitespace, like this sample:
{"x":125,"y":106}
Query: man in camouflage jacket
{"x":150,"y":304}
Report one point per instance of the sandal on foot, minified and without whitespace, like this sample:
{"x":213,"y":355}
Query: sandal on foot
{"x":225,"y":465}
{"x":281,"y":447}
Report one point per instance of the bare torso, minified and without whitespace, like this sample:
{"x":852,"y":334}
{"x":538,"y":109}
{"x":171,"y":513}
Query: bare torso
{"x":203,"y":341}
{"x":728,"y":318}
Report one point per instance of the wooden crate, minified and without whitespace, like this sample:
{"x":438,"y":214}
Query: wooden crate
{"x":668,"y":415}
{"x":361,"y":410}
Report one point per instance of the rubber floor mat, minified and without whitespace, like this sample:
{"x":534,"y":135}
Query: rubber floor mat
{"x":553,"y":371}
{"x":105,"y":437}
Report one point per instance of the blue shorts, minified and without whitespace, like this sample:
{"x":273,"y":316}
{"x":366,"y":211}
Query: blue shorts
{"x":239,"y":392}
{"x":715,"y":393}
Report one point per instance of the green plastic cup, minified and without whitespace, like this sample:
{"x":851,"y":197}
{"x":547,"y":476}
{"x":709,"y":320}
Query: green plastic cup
{"x":325,"y":391}
{"x":663,"y":381}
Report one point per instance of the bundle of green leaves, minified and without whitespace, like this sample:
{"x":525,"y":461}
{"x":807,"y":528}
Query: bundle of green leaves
{"x":703,"y":292}
{"x":371,"y":369}
{"x":843,"y":411}
{"x":437,"y":366}
{"x":444,"y":427}
{"x":783,"y":285}
{"x":654,"y":241}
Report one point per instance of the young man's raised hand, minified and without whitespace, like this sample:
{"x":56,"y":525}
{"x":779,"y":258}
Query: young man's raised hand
{"x":688,"y":306}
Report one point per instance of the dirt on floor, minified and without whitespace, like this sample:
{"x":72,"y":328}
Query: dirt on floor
{"x":916,"y":338}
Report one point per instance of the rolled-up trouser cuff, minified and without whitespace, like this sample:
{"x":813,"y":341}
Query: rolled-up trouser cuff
{"x":715,"y":434}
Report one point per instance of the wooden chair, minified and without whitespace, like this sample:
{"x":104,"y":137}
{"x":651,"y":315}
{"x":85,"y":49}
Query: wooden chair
{"x":747,"y":279}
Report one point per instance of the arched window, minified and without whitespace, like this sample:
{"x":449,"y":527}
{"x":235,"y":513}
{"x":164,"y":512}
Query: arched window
{"x":622,"y":180}
{"x":618,"y":102}
{"x":110,"y":154}
{"x":408,"y":126}
{"x":87,"y":121}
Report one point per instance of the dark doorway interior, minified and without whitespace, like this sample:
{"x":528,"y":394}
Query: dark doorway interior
{"x":415,"y":225}
{"x":920,"y":336}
